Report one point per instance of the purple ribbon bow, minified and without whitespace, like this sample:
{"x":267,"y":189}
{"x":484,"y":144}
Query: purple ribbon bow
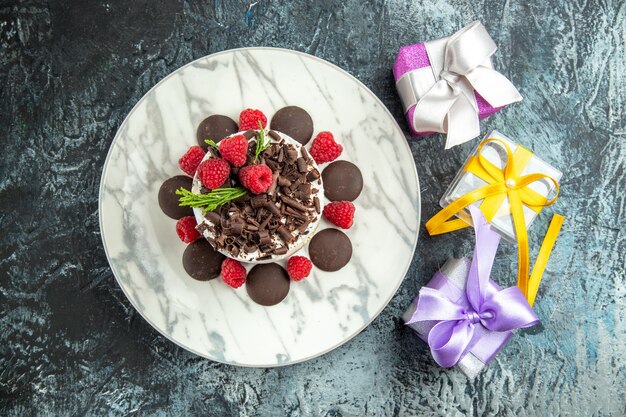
{"x":455,"y":332}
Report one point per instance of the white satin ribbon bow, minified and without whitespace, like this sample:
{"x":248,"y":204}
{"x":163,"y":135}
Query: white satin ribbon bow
{"x":449,"y":106}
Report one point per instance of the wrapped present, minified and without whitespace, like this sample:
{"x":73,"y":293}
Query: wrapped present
{"x":448,"y":84}
{"x":510,"y":185}
{"x":463,"y":315}
{"x":474,"y":175}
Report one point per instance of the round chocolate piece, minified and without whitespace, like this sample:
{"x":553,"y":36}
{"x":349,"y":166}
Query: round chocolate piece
{"x":216,"y":128}
{"x":295,"y":122}
{"x":342,"y":181}
{"x":330,"y":250}
{"x":267,"y":284}
{"x":201,"y":261}
{"x":168,"y":199}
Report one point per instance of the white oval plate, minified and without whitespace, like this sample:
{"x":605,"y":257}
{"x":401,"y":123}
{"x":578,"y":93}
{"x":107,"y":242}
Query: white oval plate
{"x":213,"y":320}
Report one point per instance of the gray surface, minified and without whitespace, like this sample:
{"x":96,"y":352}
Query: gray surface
{"x":72,"y":344}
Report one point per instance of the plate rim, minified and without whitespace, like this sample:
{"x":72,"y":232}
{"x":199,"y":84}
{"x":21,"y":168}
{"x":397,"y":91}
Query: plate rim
{"x":126,"y":293}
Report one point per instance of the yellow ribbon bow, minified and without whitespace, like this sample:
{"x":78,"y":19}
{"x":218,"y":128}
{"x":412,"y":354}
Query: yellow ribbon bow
{"x":501,"y":184}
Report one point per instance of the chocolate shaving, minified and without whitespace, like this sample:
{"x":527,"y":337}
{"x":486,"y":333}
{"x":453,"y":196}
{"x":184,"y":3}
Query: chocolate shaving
{"x":249,"y":247}
{"x":284,"y":234}
{"x":302,"y":165}
{"x":274,"y":135}
{"x":237,"y":228}
{"x":305,"y":188}
{"x":312,"y":175}
{"x":302,"y":228}
{"x":260,"y":215}
{"x":304,"y":197}
{"x":272,"y":208}
{"x":264,"y":237}
{"x":258,"y":201}
{"x":272,"y":188}
{"x":293,"y":203}
{"x":266,"y":248}
{"x":274,"y":166}
{"x":274,"y":223}
{"x":283,"y":181}
{"x":316,"y":203}
{"x":294,"y":185}
{"x":281,"y":250}
{"x":292,"y":154}
{"x":265,"y":222}
{"x":233,"y":249}
{"x":294,"y":213}
{"x":269,"y":152}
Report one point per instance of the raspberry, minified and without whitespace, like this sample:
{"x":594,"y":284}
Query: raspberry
{"x":340,"y":213}
{"x":234,"y":150}
{"x":213,"y":172}
{"x":190,"y":160}
{"x":233,"y":273}
{"x":256,"y":178}
{"x":249,"y":119}
{"x":186,"y":229}
{"x":299,"y":267}
{"x":324,"y":148}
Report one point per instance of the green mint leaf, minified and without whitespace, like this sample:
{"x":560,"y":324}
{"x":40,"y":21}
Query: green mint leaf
{"x":212,"y":144}
{"x":261,"y":145}
{"x":211,"y":200}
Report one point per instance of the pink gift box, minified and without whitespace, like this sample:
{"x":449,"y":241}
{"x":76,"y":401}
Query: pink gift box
{"x":413,"y":57}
